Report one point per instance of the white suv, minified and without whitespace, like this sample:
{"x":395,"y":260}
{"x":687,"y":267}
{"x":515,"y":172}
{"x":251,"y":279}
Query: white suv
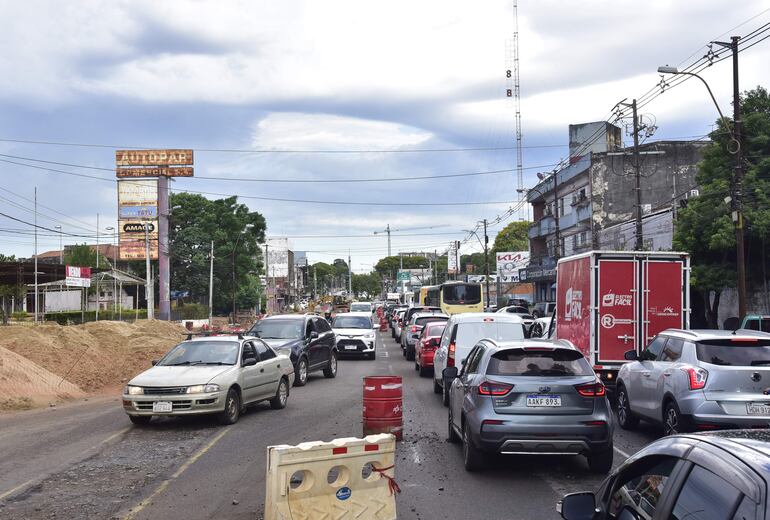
{"x":461,"y":334}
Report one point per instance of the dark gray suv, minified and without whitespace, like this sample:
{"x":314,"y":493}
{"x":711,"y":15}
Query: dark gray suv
{"x":507,"y":395}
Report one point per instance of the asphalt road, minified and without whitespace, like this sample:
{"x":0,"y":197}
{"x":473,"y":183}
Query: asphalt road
{"x":86,"y":460}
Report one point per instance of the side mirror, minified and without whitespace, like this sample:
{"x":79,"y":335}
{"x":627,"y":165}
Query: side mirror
{"x":449,"y":373}
{"x":314,"y":334}
{"x":249,"y":362}
{"x":154,"y":362}
{"x":631,"y":355}
{"x":577,"y":506}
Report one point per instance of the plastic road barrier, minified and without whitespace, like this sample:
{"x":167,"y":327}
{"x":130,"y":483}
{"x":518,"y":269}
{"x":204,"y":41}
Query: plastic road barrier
{"x":344,"y":479}
{"x":383,"y":324}
{"x":383,"y":405}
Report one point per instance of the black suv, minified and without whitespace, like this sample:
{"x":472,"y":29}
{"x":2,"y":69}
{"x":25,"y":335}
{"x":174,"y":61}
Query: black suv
{"x":307,"y":337}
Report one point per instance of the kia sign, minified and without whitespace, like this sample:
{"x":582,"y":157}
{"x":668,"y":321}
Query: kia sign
{"x":78,"y":276}
{"x":508,"y":265}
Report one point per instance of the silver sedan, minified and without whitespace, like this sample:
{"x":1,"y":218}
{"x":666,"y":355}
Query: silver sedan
{"x":210,"y":375}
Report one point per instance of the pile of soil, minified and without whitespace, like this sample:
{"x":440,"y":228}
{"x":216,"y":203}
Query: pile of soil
{"x":25,"y":384}
{"x":95,"y":356}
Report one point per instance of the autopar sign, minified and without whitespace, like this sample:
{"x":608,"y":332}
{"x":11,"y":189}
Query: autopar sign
{"x":508,"y":265}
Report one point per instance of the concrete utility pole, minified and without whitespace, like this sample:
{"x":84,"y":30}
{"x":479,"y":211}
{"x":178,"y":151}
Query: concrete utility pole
{"x":386,"y":230}
{"x":315,"y":284}
{"x":211,"y":285}
{"x":486,"y":259}
{"x":557,"y":249}
{"x":350,"y":276}
{"x":267,"y":279}
{"x":148,"y":289}
{"x":36,"y":306}
{"x":97,"y":266}
{"x":638,"y":175}
{"x":164,"y":273}
{"x":457,"y":258}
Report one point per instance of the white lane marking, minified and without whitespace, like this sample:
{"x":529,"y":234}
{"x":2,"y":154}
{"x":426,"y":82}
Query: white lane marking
{"x":626,"y":455}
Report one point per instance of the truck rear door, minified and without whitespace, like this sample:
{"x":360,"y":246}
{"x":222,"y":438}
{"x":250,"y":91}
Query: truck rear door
{"x":664,"y":305}
{"x":618,"y":304}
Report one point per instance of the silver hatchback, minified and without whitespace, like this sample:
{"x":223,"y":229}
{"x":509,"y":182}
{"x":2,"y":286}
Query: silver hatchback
{"x":529,"y":397}
{"x":697,"y":380}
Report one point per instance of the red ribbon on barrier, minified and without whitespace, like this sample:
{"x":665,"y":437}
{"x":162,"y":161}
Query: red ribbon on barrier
{"x":393,"y":486}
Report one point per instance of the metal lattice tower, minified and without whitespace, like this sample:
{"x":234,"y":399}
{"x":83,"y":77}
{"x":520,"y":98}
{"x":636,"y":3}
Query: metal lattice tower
{"x":517,"y":97}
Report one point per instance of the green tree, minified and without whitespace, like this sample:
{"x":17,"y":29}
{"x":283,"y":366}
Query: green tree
{"x":389,"y":265}
{"x":369,"y":284}
{"x":324,"y":276}
{"x":193,"y":226}
{"x":513,"y":237}
{"x":9,"y":291}
{"x":81,"y":255}
{"x":704,"y":227}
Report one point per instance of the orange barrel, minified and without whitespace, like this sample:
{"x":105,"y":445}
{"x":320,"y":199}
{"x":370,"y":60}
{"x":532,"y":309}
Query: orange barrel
{"x":383,"y":324}
{"x":383,"y":405}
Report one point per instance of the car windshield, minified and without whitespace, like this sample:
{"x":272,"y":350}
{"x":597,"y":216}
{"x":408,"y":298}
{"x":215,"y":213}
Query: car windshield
{"x":361,"y":307}
{"x":428,"y":319}
{"x":435,"y":330}
{"x":462,"y":294}
{"x":523,"y":362}
{"x":277,"y":329}
{"x":202,"y":353}
{"x":734,"y":352}
{"x":469,"y":333}
{"x":351,"y":322}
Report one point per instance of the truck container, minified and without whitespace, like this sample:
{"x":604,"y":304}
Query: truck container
{"x":610,"y":302}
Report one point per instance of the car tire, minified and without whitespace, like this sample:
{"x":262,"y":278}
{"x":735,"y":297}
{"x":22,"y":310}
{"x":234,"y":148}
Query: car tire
{"x":140,"y":420}
{"x":300,"y":372}
{"x":451,"y":433}
{"x":232,"y":411}
{"x":445,"y":395}
{"x":673,"y":422}
{"x":330,"y":372}
{"x":626,"y":418}
{"x":403,"y":351}
{"x":281,"y":395}
{"x":436,"y":387}
{"x":424,"y":371}
{"x":473,"y":458}
{"x":409,"y":354}
{"x":416,"y":366}
{"x":600,"y":461}
{"x":372,"y":355}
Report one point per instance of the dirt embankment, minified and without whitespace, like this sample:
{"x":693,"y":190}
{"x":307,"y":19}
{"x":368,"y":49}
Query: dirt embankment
{"x":49,"y":362}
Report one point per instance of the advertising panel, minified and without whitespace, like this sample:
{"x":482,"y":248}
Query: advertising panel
{"x":617,"y":301}
{"x":278,"y":257}
{"x":509,"y":264}
{"x":452,"y":267}
{"x":138,"y":192}
{"x":132,"y":244}
{"x":78,"y":276}
{"x":573,"y":301}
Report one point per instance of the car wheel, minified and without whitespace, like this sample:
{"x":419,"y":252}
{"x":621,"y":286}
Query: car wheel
{"x":673,"y":422}
{"x":445,"y":394}
{"x":451,"y":433}
{"x":330,"y":371}
{"x":300,"y":372}
{"x":416,"y":366}
{"x":403,"y":350}
{"x":140,"y":420}
{"x":600,"y":461}
{"x":232,"y":411}
{"x":409,"y":353}
{"x":372,"y":355}
{"x":626,"y":419}
{"x":424,"y":371}
{"x":537,"y":331}
{"x":281,"y":396}
{"x":473,"y":458}
{"x":436,"y":387}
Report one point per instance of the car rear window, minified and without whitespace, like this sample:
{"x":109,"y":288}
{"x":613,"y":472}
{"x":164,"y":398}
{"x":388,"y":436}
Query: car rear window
{"x":428,"y":319}
{"x":435,"y":330}
{"x":521,"y":362}
{"x":469,"y":333}
{"x":734,"y":352}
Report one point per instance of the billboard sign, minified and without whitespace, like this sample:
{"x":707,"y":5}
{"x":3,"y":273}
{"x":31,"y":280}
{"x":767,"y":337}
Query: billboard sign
{"x":132,"y":244}
{"x":137,"y":193}
{"x":138,"y":212}
{"x":278,"y":257}
{"x":78,"y":276}
{"x":451,"y":260}
{"x":509,"y":264}
{"x":155,"y":171}
{"x":173,"y":157}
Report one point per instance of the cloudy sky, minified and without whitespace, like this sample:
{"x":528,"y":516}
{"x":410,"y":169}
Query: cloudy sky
{"x":388,"y":83}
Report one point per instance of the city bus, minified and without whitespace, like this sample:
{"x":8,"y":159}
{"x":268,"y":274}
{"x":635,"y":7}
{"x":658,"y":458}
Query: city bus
{"x":421,"y":295}
{"x":454,"y":297}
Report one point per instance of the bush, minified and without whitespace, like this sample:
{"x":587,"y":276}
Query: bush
{"x":20,"y":315}
{"x":192,"y":311}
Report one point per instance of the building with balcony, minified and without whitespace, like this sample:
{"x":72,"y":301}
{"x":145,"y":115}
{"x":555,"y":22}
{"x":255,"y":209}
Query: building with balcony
{"x":590,"y":203}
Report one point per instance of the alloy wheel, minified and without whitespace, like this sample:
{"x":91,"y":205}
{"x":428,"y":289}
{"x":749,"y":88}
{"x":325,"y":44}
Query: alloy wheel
{"x":622,"y":407}
{"x":303,"y":371}
{"x":283,"y":392}
{"x":671,"y":426}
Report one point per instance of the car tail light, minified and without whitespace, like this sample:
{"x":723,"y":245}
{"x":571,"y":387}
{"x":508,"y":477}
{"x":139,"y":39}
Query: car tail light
{"x":591,"y":389}
{"x":413,"y":328}
{"x":696,"y":377}
{"x":450,"y":358}
{"x":491,"y":422}
{"x":493,"y":388}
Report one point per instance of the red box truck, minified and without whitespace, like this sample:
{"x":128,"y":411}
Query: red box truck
{"x":609,"y":302}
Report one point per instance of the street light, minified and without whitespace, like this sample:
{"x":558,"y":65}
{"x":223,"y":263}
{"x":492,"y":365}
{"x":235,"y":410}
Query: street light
{"x":243,"y":231}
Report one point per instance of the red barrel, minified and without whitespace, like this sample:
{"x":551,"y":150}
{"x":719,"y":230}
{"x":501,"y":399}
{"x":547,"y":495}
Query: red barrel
{"x":383,"y":405}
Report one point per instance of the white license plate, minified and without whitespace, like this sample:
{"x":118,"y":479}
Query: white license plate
{"x":543,"y":400}
{"x":758,"y":408}
{"x":162,"y":406}
{"x":351,"y":347}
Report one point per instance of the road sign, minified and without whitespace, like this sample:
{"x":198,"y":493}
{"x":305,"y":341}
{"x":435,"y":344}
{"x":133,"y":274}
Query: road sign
{"x":404,"y":276}
{"x":153,"y":157}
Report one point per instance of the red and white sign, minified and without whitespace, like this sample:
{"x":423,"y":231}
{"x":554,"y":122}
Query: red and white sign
{"x":573,"y":285}
{"x":617,"y":308}
{"x":78,"y":276}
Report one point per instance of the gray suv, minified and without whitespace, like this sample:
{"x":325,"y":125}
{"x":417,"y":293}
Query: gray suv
{"x":508,"y":394}
{"x":697,"y":380}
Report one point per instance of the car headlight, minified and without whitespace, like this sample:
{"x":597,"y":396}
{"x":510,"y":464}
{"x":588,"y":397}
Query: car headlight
{"x":133,"y":390}
{"x":369,"y":335}
{"x":202,"y":389}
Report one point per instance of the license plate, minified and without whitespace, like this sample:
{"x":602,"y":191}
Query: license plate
{"x":351,"y":347}
{"x":543,"y":401}
{"x":162,"y":406}
{"x":758,"y":408}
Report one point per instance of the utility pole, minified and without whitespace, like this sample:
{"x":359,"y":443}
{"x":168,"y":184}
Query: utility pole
{"x":97,"y":267}
{"x":164,"y":271}
{"x":557,"y":249}
{"x":457,"y":258}
{"x":486,"y":259}
{"x":350,"y":276}
{"x":267,"y":278}
{"x":36,"y":306}
{"x":211,"y":285}
{"x":638,"y":175}
{"x":737,"y":199}
{"x":148,"y":287}
{"x":387,"y":229}
{"x":315,"y":284}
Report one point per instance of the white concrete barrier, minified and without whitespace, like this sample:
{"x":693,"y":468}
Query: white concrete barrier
{"x":344,"y":479}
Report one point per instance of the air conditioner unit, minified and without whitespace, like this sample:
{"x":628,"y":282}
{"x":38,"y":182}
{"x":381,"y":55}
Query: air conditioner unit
{"x":646,"y":208}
